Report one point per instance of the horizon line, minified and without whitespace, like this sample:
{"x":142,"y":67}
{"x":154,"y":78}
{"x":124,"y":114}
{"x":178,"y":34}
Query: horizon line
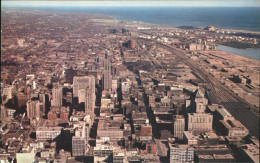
{"x":134,"y":3}
{"x":135,"y":6}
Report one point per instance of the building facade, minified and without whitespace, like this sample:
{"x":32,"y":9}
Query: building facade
{"x":178,"y":126}
{"x":48,"y":133}
{"x":56,"y":96}
{"x":79,"y":141}
{"x":107,"y":81}
{"x":181,"y":153}
{"x":200,"y":122}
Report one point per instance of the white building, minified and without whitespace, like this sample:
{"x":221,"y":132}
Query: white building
{"x":178,"y":126}
{"x":79,"y":141}
{"x":26,"y":155}
{"x":48,"y":133}
{"x":181,"y":153}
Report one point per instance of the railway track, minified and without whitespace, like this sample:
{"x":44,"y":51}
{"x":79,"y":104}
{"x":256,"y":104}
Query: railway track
{"x":237,"y":106}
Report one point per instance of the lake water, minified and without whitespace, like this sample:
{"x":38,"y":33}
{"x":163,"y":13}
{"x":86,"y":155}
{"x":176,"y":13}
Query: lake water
{"x":242,"y":18}
{"x":249,"y":53}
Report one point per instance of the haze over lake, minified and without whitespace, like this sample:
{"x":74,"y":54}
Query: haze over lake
{"x":221,"y":17}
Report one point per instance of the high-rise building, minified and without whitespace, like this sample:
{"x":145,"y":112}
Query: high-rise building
{"x":79,"y":141}
{"x":132,"y":44}
{"x":114,"y":84}
{"x":82,"y":95}
{"x":178,"y":126}
{"x":181,"y":153}
{"x":42,"y":97}
{"x":200,"y":98}
{"x":7,"y":92}
{"x":84,"y":89}
{"x":200,"y":107}
{"x":82,"y":82}
{"x":70,"y":74}
{"x":35,"y":109}
{"x":90,"y":99}
{"x":200,"y":122}
{"x":2,"y":112}
{"x":69,"y":98}
{"x":56,"y":96}
{"x":21,"y":100}
{"x":107,"y":81}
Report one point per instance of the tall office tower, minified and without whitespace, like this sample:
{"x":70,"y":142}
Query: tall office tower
{"x":82,"y":95}
{"x":69,"y":98}
{"x":201,"y":102}
{"x":79,"y":141}
{"x":84,"y":89}
{"x":200,"y":107}
{"x":70,"y":74}
{"x":90,"y":99}
{"x":178,"y":126}
{"x":2,"y":112}
{"x":7,"y":92}
{"x":21,"y":100}
{"x":90,"y":102}
{"x":56,"y":96}
{"x":35,"y":109}
{"x":132,"y":44}
{"x":200,"y":98}
{"x":107,"y":82}
{"x":199,"y":122}
{"x":82,"y":82}
{"x":114,"y":85}
{"x":42,"y":97}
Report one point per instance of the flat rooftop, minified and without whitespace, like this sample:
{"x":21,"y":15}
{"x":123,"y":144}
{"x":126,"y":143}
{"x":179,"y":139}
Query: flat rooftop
{"x":49,"y":128}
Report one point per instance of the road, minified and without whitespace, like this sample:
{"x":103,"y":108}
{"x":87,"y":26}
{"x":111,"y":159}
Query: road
{"x":219,"y":93}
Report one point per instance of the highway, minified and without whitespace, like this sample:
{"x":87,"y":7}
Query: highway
{"x":219,"y":93}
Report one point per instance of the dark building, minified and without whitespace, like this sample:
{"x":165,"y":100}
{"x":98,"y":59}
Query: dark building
{"x":70,"y":73}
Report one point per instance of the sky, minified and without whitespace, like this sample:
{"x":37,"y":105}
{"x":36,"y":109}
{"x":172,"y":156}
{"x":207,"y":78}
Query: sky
{"x":185,"y":3}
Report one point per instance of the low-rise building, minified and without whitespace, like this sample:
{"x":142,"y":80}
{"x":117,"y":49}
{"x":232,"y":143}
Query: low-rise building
{"x":25,"y":155}
{"x":249,"y":153}
{"x":232,"y":127}
{"x":48,"y":133}
{"x":181,"y":153}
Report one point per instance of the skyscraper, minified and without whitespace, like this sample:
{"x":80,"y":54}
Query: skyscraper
{"x":107,"y":81}
{"x":56,"y":96}
{"x":82,"y":95}
{"x":79,"y":141}
{"x":178,"y":126}
{"x":84,"y":89}
{"x":35,"y":109}
{"x":82,"y":82}
{"x":89,"y":102}
{"x":21,"y":100}
{"x":199,"y":122}
{"x":200,"y":107}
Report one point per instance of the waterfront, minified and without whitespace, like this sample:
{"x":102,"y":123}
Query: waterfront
{"x":228,"y":18}
{"x":249,"y":53}
{"x":93,"y":87}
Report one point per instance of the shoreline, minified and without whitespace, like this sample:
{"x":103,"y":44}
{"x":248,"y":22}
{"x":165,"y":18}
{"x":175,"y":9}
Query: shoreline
{"x":123,"y":19}
{"x":240,"y":31}
{"x":237,"y":58}
{"x":238,"y":54}
{"x":154,"y":25}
